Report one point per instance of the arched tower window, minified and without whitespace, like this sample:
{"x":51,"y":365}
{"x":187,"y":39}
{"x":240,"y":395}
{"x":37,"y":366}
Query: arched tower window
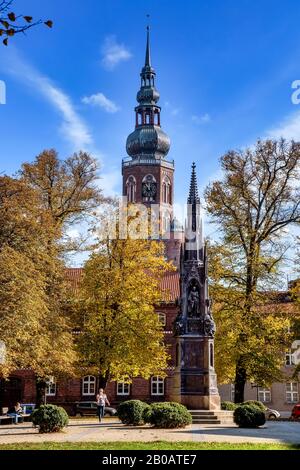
{"x":131,"y":189}
{"x":166,"y":190}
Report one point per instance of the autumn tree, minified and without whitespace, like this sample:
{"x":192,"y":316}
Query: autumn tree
{"x":262,"y":337}
{"x":12,"y":23}
{"x":33,"y":327}
{"x":121,"y":335}
{"x":34,"y":337}
{"x":67,"y":194}
{"x":257,"y":199}
{"x":36,"y":210}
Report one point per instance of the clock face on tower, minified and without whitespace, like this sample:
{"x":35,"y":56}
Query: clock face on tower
{"x":149,"y":190}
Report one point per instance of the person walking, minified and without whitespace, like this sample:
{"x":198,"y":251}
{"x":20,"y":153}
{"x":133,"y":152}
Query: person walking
{"x":101,"y":401}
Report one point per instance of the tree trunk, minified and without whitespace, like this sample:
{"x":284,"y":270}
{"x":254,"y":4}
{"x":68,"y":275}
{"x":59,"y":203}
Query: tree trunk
{"x":40,"y":391}
{"x":102,"y":380}
{"x":241,"y":371}
{"x":240,"y":382}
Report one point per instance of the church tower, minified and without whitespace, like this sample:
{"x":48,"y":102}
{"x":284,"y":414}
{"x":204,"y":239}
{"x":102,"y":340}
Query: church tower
{"x":148,"y":177}
{"x":195,"y":380}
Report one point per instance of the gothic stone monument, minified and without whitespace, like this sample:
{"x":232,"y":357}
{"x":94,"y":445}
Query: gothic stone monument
{"x":195,"y":380}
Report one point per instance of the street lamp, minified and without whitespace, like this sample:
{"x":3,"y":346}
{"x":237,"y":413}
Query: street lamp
{"x":254,"y":385}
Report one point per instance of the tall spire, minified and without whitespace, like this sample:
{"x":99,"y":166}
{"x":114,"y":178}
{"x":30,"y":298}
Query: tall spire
{"x":148,"y":139}
{"x":194,"y":223}
{"x":193,"y":194}
{"x":148,"y":55}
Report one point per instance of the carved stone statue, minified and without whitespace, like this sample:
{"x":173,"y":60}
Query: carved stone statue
{"x":194,"y":302}
{"x":179,"y":325}
{"x":209,"y":325}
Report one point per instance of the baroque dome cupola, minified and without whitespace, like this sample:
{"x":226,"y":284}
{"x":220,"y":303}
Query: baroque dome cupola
{"x":148,"y":139}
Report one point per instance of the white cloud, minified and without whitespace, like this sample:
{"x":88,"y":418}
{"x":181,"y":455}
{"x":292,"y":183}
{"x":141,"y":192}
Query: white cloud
{"x":102,"y":101}
{"x":204,"y":119}
{"x":289,"y":128}
{"x":110,"y":182}
{"x":172,"y":110}
{"x":73,"y":127}
{"x":113,"y":53}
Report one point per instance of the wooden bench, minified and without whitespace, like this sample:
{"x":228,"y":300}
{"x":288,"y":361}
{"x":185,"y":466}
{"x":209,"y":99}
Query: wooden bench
{"x":4,"y":419}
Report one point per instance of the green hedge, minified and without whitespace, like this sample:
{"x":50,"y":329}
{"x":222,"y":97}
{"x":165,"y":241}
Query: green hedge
{"x":249,"y":416}
{"x":256,"y":403}
{"x":133,"y":412}
{"x":168,"y":415}
{"x":50,"y":418}
{"x":228,"y":405}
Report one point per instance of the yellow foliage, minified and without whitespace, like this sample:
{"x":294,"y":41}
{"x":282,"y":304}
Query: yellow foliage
{"x":121,"y":334}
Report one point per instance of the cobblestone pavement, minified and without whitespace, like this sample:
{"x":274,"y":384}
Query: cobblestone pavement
{"x":111,"y":430}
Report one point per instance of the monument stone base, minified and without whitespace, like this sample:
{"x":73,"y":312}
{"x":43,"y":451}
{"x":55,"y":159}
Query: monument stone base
{"x":204,"y":402}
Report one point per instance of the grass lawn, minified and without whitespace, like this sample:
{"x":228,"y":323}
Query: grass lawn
{"x":159,"y":445}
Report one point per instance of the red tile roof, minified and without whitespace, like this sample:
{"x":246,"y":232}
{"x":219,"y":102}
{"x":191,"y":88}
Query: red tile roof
{"x":170,"y":287}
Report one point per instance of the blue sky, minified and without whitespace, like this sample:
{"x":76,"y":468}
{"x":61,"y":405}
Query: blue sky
{"x":224,"y":72}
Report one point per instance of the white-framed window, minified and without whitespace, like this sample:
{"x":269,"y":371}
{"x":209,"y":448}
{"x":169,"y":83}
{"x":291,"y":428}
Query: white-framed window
{"x":162,"y":318}
{"x":232,"y":392}
{"x":264,"y":395}
{"x":292,"y":394}
{"x":51,"y":387}
{"x":157,"y":385}
{"x":89,"y":385}
{"x":289,"y":358}
{"x":123,"y":388}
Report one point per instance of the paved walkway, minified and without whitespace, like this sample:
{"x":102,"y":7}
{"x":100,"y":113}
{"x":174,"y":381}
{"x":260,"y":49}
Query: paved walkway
{"x":112,"y":430}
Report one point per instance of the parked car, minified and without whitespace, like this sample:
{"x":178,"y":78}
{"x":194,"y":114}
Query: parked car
{"x":295,"y":413}
{"x":272,"y":414}
{"x":89,"y":408}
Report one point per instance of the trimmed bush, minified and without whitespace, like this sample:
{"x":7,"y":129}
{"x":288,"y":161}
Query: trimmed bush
{"x":256,"y":403}
{"x":228,"y":405}
{"x":249,"y":416}
{"x":50,"y":418}
{"x":168,"y":415}
{"x":133,"y":412}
